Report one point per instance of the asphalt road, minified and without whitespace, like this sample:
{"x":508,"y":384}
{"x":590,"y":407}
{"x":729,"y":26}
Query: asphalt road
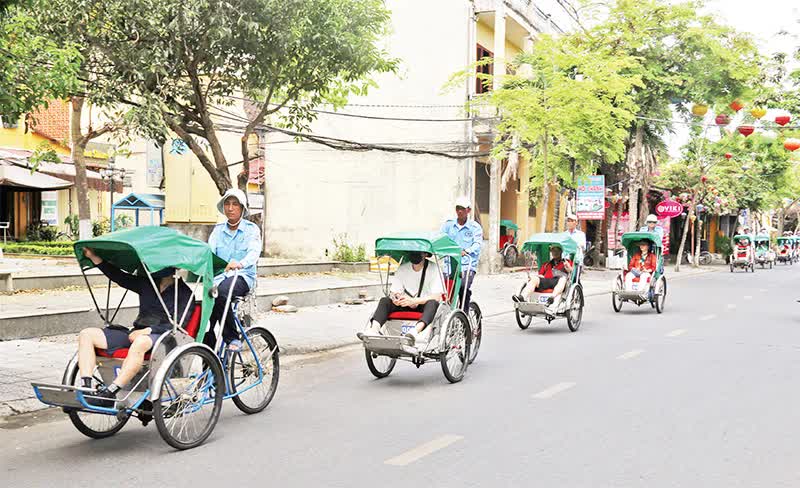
{"x":703,"y":395}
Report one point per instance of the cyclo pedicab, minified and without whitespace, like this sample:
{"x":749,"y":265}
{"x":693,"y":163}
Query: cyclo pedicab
{"x":765,"y":256}
{"x":456,"y":335}
{"x":795,"y":248}
{"x":508,"y":242}
{"x":654,"y":289}
{"x":743,"y":254}
{"x":183,"y":381}
{"x":784,"y":254}
{"x":572,"y":302}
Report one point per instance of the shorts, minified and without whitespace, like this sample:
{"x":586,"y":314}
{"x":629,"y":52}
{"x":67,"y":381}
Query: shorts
{"x":117,"y":338}
{"x":547,"y":283}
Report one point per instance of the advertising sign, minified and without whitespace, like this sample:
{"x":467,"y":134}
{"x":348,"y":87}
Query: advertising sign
{"x":155,"y":168}
{"x":669,"y":208}
{"x":49,"y":208}
{"x":591,"y":197}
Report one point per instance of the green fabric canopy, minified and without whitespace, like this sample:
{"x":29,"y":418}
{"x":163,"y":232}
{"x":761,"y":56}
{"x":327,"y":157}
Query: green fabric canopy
{"x":540,"y":244}
{"x":509,"y":224}
{"x":157,"y":248}
{"x":739,"y":237}
{"x":397,"y":245}
{"x":630,"y":238}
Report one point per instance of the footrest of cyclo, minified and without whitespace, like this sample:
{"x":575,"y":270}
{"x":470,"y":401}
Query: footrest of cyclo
{"x":389,"y":345}
{"x":66,"y":396}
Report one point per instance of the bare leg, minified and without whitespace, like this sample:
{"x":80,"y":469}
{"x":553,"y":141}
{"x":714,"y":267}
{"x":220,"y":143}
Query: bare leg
{"x":530,"y":288}
{"x":88,"y":340}
{"x":629,"y":281}
{"x":559,"y":289}
{"x":133,"y":363}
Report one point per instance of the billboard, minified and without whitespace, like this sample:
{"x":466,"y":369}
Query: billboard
{"x":591,"y":197}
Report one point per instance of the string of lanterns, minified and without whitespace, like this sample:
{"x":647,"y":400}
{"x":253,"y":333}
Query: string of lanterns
{"x":790,"y":144}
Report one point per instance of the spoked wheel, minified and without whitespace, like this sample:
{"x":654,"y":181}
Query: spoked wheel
{"x":254,"y":371}
{"x":616,"y":300}
{"x":510,"y":255}
{"x":575,"y":312}
{"x":94,"y":425}
{"x":379,"y":366}
{"x":731,"y":267}
{"x":524,"y":321}
{"x":456,"y":345}
{"x":476,"y":325}
{"x":189,"y":397}
{"x":661,"y":294}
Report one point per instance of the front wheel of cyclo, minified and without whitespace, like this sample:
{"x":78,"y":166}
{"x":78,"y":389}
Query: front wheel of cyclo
{"x":575,"y":310}
{"x":380,"y":366}
{"x":456,"y":343}
{"x":94,"y":425}
{"x":254,"y":371}
{"x":190,"y":387}
{"x":476,"y":323}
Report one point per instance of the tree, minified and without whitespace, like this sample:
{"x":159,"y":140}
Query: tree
{"x":184,"y":64}
{"x":565,"y":110}
{"x":683,"y":57}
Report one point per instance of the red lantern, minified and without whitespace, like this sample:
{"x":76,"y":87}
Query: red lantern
{"x":782,"y":119}
{"x":736,"y":105}
{"x":746,"y":130}
{"x":728,"y":155}
{"x":703,"y":179}
{"x":792,"y":144}
{"x":722,"y":119}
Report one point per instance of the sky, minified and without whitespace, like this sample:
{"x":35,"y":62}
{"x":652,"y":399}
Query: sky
{"x":763,"y":19}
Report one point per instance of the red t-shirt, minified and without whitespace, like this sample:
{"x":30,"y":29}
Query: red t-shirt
{"x":649,"y":264}
{"x":547,"y":268}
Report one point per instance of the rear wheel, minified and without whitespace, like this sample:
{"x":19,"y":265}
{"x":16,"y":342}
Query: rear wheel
{"x":379,"y":366}
{"x":455,"y":352}
{"x":189,"y":397}
{"x":254,"y":371}
{"x":510,"y":255}
{"x":616,"y":300}
{"x":476,"y":325}
{"x":661,"y":294}
{"x":575,"y":312}
{"x":94,"y":425}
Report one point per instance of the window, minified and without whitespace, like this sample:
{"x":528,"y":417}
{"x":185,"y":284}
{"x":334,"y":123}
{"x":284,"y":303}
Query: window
{"x":486,"y":69}
{"x":482,"y":186}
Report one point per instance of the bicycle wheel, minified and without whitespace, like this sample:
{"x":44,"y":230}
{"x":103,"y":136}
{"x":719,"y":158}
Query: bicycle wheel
{"x":616,"y":300}
{"x":379,"y":366}
{"x":661,"y":294}
{"x":455,"y":353}
{"x":254,"y":371}
{"x":94,"y":425}
{"x":476,"y":323}
{"x":190,"y":396}
{"x":575,"y":311}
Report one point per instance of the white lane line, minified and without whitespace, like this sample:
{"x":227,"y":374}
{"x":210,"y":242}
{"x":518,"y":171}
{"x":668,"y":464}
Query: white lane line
{"x":423,"y":450}
{"x":707,"y":317}
{"x":553,"y":390}
{"x":762,"y":290}
{"x":748,"y":297}
{"x":630,"y":354}
{"x":731,"y":306}
{"x":676,"y":333}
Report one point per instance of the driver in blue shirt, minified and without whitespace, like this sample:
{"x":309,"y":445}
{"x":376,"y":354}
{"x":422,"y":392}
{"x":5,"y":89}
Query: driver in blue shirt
{"x":237,"y":241}
{"x":468,"y":234}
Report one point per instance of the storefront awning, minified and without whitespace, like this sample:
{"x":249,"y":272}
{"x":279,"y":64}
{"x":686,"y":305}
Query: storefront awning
{"x":18,"y":177}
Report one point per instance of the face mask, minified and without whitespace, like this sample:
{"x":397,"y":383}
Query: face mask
{"x":415,"y":258}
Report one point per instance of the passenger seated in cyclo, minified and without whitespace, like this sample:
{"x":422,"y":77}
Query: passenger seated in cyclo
{"x":416,"y":287}
{"x":743,"y":248}
{"x":552,"y":275}
{"x":642,"y":265}
{"x":148,"y":326}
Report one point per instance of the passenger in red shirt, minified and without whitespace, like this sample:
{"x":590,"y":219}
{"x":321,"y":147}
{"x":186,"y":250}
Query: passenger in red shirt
{"x":553,"y":274}
{"x":643,"y":264}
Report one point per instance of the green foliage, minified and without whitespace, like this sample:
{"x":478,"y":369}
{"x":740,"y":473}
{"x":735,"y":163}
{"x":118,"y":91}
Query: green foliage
{"x":723,"y":244}
{"x":123,"y":221}
{"x":565,"y":102}
{"x":56,"y":248}
{"x":101,"y":226}
{"x":346,"y":252}
{"x":44,"y":153}
{"x":39,"y":231}
{"x":73,"y":222}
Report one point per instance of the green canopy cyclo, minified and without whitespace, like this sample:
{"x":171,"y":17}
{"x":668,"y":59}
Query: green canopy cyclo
{"x":743,"y":256}
{"x":641,"y":282}
{"x":182,"y":382}
{"x":764,"y":255}
{"x":456,"y":333}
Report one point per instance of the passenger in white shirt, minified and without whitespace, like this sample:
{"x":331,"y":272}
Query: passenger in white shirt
{"x":409,"y":293}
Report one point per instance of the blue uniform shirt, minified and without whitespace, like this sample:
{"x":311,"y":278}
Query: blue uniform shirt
{"x":242,"y":245}
{"x":658,"y":230}
{"x":469,"y":237}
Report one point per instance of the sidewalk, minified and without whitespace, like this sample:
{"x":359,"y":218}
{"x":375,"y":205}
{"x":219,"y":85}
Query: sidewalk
{"x":312,"y":329}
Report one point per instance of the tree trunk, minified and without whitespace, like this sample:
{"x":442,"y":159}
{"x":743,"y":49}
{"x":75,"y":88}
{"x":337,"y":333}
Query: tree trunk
{"x":557,"y":213}
{"x":81,"y":183}
{"x":683,"y":237}
{"x":635,"y":162}
{"x":545,"y":186}
{"x":698,"y":240}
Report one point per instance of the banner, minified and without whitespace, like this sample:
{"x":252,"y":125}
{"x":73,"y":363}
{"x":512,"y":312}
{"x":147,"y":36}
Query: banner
{"x":591,"y":197}
{"x":155,"y":168}
{"x":49,"y":208}
{"x":620,"y":225}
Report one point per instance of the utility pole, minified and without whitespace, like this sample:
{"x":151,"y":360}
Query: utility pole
{"x":494,"y":164}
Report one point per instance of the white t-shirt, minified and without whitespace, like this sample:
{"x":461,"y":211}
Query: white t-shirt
{"x":405,"y":278}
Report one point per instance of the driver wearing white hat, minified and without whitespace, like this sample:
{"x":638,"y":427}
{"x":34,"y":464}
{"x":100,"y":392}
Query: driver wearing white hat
{"x":468,"y":234}
{"x":237,"y":241}
{"x":652,"y":226}
{"x":576,"y":234}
